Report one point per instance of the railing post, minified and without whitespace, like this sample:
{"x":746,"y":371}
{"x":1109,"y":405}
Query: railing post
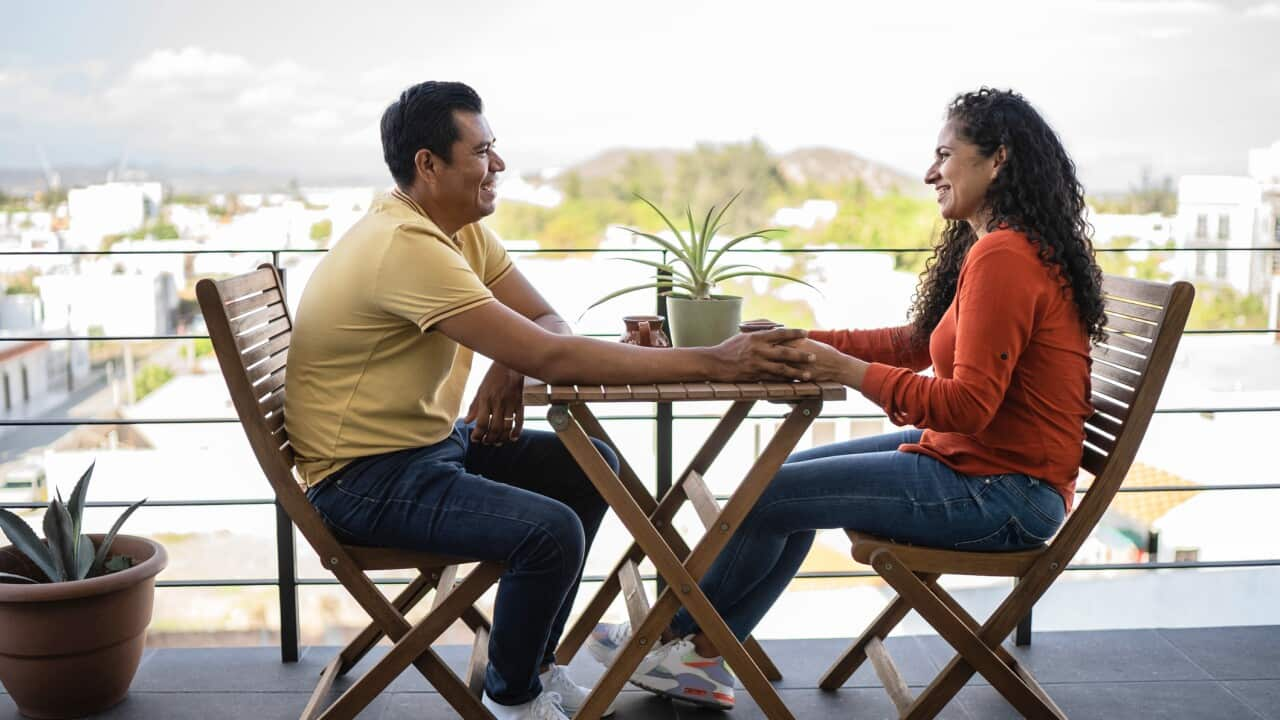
{"x":663,"y":419}
{"x":286,"y":557}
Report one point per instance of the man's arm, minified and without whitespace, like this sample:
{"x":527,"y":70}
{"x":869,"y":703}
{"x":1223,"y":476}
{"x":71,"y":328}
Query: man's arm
{"x":498,"y":409}
{"x":499,"y":333}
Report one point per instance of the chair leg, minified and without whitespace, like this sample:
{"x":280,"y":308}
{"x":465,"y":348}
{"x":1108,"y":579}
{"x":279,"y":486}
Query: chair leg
{"x":972,"y":650}
{"x":364,"y":642}
{"x":414,"y":646}
{"x":1023,"y":637}
{"x":844,"y":667}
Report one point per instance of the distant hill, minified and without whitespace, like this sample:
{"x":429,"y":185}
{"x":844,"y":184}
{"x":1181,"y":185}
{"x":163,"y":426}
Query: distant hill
{"x":817,"y":164}
{"x":829,"y":165}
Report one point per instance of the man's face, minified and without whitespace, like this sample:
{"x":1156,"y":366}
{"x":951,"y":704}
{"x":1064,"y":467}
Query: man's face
{"x":467,"y":185}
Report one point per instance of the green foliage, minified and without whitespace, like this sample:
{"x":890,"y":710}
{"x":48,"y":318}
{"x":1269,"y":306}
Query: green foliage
{"x":66,"y":553}
{"x":1140,"y":264}
{"x":156,"y":229}
{"x":321,"y":231}
{"x":1148,"y":196}
{"x":866,"y":221}
{"x":149,"y":378}
{"x":23,"y":283}
{"x":1225,"y":308}
{"x":696,"y":269}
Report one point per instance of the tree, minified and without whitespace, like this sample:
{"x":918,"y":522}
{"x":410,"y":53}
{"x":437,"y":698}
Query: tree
{"x":1150,"y":195}
{"x":321,"y":231}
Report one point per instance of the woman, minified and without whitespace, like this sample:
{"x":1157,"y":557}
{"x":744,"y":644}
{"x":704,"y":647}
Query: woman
{"x":1004,"y":314}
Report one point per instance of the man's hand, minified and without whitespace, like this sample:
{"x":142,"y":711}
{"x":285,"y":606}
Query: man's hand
{"x":831,"y":365}
{"x":759,"y":356}
{"x":498,"y":407}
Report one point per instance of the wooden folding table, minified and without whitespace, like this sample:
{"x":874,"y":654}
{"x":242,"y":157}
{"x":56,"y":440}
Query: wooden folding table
{"x":649,"y":521}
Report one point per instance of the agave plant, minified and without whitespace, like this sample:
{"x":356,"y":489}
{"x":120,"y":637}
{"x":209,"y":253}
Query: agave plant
{"x":696,"y":270}
{"x":66,"y":554}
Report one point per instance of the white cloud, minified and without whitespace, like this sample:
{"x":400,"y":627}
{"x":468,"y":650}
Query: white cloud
{"x":1147,"y":7}
{"x":189,"y":63}
{"x":1167,"y":33}
{"x":1264,"y":10}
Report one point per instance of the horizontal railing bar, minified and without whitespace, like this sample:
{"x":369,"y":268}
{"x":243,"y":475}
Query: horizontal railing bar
{"x":26,"y":422}
{"x":1154,"y":488}
{"x":606,"y":251}
{"x":808,"y":575}
{"x":121,"y":338}
{"x":151,"y":503}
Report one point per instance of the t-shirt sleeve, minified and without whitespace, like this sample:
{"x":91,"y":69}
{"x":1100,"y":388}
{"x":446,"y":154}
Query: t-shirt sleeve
{"x":424,"y":281}
{"x":497,"y":263}
{"x":998,"y":298}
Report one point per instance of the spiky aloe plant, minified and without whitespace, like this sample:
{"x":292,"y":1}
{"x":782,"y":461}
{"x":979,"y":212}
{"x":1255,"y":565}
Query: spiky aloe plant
{"x":66,"y":554}
{"x":695,"y":271}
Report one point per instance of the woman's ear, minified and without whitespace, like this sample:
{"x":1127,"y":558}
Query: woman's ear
{"x":998,"y":159}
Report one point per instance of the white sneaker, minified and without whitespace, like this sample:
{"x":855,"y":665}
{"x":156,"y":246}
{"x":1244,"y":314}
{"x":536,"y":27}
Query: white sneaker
{"x":572,"y":695}
{"x":544,"y":707}
{"x":677,"y":671}
{"x":606,"y":641}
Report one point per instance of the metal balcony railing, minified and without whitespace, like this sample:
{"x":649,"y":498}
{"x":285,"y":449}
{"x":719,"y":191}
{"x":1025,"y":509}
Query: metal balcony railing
{"x":287,"y":580}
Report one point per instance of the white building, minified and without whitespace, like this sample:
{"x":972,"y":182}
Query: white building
{"x":1150,"y":230}
{"x":1216,"y":211}
{"x":33,"y":373}
{"x":111,"y":208}
{"x":114,"y":304}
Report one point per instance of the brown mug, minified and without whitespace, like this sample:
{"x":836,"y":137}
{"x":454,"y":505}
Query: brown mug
{"x":645,"y":331}
{"x":751,"y":326}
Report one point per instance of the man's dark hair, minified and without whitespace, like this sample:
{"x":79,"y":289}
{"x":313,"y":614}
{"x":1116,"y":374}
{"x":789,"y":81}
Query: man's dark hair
{"x":423,"y":118}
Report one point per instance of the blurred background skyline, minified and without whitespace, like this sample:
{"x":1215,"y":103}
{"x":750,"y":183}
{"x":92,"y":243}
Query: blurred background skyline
{"x":295,"y":90}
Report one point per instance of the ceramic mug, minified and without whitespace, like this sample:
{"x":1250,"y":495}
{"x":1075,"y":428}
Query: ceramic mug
{"x":751,"y":326}
{"x":645,"y":331}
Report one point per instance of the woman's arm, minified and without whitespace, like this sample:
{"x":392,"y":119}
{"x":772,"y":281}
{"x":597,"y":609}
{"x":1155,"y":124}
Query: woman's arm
{"x":890,"y":346}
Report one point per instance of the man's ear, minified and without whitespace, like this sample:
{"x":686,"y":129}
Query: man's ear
{"x":425,"y":164}
{"x":998,"y":160}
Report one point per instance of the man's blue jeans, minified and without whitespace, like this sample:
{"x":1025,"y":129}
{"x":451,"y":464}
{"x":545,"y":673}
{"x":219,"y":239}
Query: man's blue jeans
{"x":867,"y":485}
{"x":525,"y":503}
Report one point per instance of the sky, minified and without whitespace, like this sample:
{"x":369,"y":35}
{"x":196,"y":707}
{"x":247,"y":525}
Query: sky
{"x":1177,"y":86}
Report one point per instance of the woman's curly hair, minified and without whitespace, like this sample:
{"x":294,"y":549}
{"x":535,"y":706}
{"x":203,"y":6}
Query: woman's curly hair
{"x":1035,"y":192}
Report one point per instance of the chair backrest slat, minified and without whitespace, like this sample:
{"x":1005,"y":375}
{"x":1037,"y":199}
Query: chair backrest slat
{"x":1145,"y":321}
{"x":250,"y":328}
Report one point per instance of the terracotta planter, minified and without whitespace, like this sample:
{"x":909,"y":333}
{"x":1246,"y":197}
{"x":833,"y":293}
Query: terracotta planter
{"x":71,"y":649}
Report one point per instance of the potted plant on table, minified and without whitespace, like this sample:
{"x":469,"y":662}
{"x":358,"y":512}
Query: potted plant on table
{"x":74,"y":609}
{"x":698,"y":316}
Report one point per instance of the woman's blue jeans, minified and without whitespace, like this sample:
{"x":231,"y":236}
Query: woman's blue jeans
{"x":524,"y":503}
{"x":868,"y":485}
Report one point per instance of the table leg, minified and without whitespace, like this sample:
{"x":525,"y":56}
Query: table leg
{"x":682,"y":576}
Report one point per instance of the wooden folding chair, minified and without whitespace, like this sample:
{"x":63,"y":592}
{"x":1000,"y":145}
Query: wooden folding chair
{"x":1144,"y":323}
{"x":250,"y":328}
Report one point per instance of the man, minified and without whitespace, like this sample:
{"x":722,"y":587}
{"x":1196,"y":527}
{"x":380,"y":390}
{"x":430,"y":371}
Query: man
{"x":380,"y":353}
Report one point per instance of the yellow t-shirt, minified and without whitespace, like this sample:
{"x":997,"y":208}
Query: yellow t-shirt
{"x":367,"y":374}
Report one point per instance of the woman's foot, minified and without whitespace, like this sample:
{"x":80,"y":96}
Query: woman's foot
{"x":676,"y":670}
{"x":606,"y":641}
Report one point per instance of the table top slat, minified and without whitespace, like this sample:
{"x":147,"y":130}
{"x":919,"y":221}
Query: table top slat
{"x":673,"y":391}
{"x":617,"y":393}
{"x":726,"y":391}
{"x":646,"y":392}
{"x":676,"y":392}
{"x":700,"y":391}
{"x":592,"y":392}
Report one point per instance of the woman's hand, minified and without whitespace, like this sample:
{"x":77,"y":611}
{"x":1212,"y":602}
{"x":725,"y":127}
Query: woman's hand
{"x":498,"y":407}
{"x":762,"y":356}
{"x":831,"y":365}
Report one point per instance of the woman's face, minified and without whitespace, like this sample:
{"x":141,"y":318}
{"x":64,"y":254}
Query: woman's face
{"x":961,"y":175}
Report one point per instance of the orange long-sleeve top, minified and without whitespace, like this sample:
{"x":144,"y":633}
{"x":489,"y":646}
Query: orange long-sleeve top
{"x":1010,"y":357}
